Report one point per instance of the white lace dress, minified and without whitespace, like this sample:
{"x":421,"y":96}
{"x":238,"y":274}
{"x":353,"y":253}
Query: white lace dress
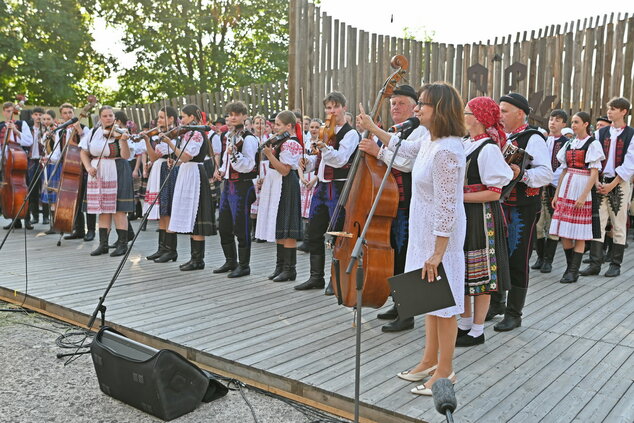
{"x":437,"y":210}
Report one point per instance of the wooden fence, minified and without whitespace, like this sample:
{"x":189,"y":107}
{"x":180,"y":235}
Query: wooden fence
{"x":261,"y":98}
{"x":576,"y":66}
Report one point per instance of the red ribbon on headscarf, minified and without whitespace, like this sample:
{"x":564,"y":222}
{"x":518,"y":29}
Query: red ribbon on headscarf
{"x":487,"y":112}
{"x":300,"y":133}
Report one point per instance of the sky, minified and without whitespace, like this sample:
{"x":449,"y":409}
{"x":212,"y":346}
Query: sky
{"x":448,"y":21}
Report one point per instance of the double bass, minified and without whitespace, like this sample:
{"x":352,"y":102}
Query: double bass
{"x":71,"y":178}
{"x":15,"y":165}
{"x":357,"y":198}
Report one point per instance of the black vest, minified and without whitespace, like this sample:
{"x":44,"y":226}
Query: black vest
{"x":522,"y":194}
{"x":341,"y":172}
{"x":557,"y":145}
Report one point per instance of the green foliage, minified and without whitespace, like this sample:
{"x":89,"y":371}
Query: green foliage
{"x":46,"y":52}
{"x":191,"y":46}
{"x":418,"y":33}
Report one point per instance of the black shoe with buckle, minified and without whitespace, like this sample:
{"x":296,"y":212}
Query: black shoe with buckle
{"x":469,"y":341}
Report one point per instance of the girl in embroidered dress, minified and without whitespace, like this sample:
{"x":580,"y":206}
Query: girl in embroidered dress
{"x":158,"y":152}
{"x":99,"y":151}
{"x":573,"y":202}
{"x":486,"y":255}
{"x":308,"y":180}
{"x":191,"y":205}
{"x":279,"y":216}
{"x":49,"y":196}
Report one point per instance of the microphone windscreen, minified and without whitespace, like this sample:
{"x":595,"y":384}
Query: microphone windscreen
{"x":415,"y":122}
{"x":74,"y":120}
{"x":444,"y":396}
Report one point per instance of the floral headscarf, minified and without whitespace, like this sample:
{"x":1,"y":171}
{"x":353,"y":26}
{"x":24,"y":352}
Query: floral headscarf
{"x":487,"y":112}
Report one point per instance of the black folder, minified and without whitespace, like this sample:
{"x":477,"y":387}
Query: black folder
{"x":413,"y":295}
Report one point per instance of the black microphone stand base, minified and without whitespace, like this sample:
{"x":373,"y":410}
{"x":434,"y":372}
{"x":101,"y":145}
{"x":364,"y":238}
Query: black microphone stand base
{"x":102,"y":310}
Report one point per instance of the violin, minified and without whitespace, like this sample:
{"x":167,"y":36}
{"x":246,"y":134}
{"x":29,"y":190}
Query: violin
{"x":276,"y":141}
{"x":236,"y":139}
{"x":14,"y":168}
{"x":149,"y":133}
{"x":357,"y":197}
{"x":326,"y":134}
{"x":114,"y":132}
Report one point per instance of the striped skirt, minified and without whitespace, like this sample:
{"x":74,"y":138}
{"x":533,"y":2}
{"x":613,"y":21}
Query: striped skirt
{"x":101,"y":191}
{"x":486,"y":251}
{"x":50,"y":197}
{"x":569,"y":221}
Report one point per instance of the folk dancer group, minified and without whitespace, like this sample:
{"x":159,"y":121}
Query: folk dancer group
{"x":460,"y":203}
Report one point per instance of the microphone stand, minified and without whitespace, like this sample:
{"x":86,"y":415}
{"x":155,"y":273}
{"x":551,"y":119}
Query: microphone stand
{"x":357,"y":256}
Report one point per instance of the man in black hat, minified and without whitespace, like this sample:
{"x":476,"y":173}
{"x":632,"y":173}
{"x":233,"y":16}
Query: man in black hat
{"x":521,"y":208}
{"x":402,"y":104}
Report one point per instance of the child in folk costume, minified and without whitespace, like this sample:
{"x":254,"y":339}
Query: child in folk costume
{"x":279,"y":215}
{"x":238,"y":168}
{"x":486,"y":254}
{"x":191,"y":205}
{"x":308,"y":180}
{"x":50,"y":181}
{"x":103,"y":196}
{"x":158,"y":151}
{"x":259,"y":126}
{"x":573,"y":219}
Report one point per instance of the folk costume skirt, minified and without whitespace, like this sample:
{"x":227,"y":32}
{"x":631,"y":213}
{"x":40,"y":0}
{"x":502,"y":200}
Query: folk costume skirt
{"x":125,"y":189}
{"x":485,"y":249}
{"x":191,"y":206}
{"x":268,"y":204}
{"x":101,"y":190}
{"x":289,"y":212}
{"x":568,"y":221}
{"x":48,"y":196}
{"x":154,"y":183}
{"x":167,"y":194}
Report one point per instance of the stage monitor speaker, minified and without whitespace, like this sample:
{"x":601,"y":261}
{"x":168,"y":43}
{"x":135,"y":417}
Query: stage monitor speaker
{"x":159,"y":382}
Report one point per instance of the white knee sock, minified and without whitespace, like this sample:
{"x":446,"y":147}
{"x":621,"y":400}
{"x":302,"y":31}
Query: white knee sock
{"x":476,"y":330}
{"x":465,"y":323}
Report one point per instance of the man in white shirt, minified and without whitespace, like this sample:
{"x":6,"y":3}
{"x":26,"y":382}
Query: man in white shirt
{"x":332,"y":163}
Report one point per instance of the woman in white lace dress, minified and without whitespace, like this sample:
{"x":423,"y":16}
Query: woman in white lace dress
{"x":437,"y":222}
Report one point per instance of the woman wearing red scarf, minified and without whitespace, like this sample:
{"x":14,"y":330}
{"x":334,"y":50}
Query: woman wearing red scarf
{"x":486,"y":255}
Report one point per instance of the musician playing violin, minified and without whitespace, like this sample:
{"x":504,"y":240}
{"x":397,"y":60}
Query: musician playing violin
{"x":279,"y":211}
{"x":48,"y":197}
{"x":99,"y":151}
{"x":402,"y":104}
{"x":332,"y":162}
{"x":35,"y":152}
{"x":17,"y":131}
{"x":238,"y":168}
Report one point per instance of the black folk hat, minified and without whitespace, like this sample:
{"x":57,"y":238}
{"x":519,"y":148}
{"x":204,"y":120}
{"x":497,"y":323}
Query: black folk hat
{"x":517,"y":100}
{"x":405,"y":90}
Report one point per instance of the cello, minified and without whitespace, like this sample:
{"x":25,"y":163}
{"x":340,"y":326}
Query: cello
{"x":71,"y":178}
{"x":357,"y":198}
{"x":15,"y":164}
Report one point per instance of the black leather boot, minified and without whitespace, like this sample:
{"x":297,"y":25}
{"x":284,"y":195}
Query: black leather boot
{"x":316,"y":280}
{"x":243,"y":269}
{"x":122,"y":243}
{"x":18,"y":225}
{"x":103,"y":243}
{"x":617,"y":258}
{"x":231,"y":256}
{"x":390,"y":314}
{"x":329,"y":289}
{"x":170,"y":254}
{"x":27,"y":223}
{"x":279,"y":262}
{"x":45,"y":213}
{"x":290,"y":260}
{"x":596,"y":258}
{"x":513,"y":314}
{"x":497,"y":305}
{"x":539,"y":249}
{"x":90,"y":235}
{"x":550,"y":247}
{"x":608,"y":243}
{"x":399,"y":325}
{"x":198,"y":254}
{"x":572,"y":273}
{"x":130,"y":231}
{"x":161,"y":246}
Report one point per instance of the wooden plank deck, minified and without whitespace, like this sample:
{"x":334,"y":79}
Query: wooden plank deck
{"x":572,"y":360}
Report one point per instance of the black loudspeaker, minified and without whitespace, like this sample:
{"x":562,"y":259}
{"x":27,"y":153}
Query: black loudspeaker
{"x":159,"y":382}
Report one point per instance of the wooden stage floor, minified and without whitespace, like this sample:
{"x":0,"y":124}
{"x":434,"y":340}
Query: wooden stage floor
{"x":572,"y":360}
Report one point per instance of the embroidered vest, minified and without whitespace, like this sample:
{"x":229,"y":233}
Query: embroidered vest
{"x":576,"y":159}
{"x":330,"y":172}
{"x":557,"y":145}
{"x":234,"y":175}
{"x":521,"y":194}
{"x":622,"y":143}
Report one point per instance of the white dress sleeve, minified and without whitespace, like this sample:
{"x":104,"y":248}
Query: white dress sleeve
{"x":26,"y":138}
{"x":216,"y":144}
{"x":245,"y":160}
{"x":338,"y":158}
{"x":494,"y":172}
{"x":445,"y":174}
{"x":290,"y":153}
{"x":409,"y":148}
{"x":192,"y":142}
{"x":594,"y":155}
{"x":540,"y":173}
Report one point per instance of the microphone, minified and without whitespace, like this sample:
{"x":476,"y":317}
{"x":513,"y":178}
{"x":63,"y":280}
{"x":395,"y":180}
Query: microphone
{"x":67,"y":124}
{"x":205,"y":128}
{"x":444,"y":398}
{"x":411,"y":123}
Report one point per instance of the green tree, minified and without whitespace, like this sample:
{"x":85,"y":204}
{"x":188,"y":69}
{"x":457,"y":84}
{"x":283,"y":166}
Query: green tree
{"x":46,"y":52}
{"x":192,"y":46}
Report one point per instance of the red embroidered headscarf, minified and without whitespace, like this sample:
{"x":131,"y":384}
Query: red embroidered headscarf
{"x":487,"y":112}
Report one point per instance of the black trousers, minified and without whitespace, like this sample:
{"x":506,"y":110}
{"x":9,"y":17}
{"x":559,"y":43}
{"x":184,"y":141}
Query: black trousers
{"x":235,"y":208}
{"x":322,"y":207}
{"x":91,"y":219}
{"x":34,"y":197}
{"x":521,"y":222}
